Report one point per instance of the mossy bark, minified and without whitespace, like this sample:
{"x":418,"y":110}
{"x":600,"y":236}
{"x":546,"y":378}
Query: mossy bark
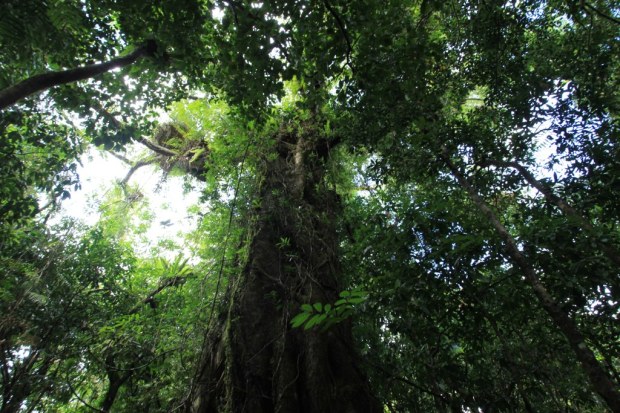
{"x":255,"y":362}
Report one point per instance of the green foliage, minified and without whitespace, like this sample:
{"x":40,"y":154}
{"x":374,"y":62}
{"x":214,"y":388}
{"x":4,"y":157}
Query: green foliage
{"x":442,"y":293}
{"x":37,"y":157}
{"x":442,"y":316}
{"x":325,"y":316}
{"x":57,"y":288}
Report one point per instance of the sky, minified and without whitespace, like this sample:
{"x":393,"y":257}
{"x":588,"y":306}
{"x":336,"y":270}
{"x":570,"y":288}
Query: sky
{"x":99,"y":173}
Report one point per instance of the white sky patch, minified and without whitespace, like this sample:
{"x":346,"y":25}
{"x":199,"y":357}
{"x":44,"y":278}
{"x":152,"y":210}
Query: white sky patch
{"x":218,"y":14}
{"x":167,"y":200}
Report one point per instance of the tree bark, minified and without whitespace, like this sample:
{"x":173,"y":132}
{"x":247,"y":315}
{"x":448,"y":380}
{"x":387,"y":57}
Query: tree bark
{"x":39,"y":83}
{"x":599,"y":378}
{"x":253,"y":360}
{"x":25,"y":375}
{"x":115,"y":382}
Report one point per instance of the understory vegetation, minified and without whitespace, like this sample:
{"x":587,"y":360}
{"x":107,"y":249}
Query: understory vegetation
{"x":405,"y":206}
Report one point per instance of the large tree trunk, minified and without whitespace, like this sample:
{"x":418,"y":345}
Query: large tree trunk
{"x":254,"y":361}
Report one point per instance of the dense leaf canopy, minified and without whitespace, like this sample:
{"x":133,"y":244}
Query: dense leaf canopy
{"x":465,"y":156}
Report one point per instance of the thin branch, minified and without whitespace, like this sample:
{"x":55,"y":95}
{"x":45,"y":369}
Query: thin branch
{"x":600,"y":13}
{"x":158,"y":149}
{"x":232,"y":6}
{"x":120,"y":158}
{"x":343,"y":30}
{"x":599,"y":378}
{"x":77,"y":396}
{"x":50,"y":204}
{"x":39,"y":83}
{"x":119,"y":125}
{"x":406,"y":381}
{"x":169,"y":282}
{"x":103,"y":112}
{"x":564,"y":206}
{"x":135,"y":167}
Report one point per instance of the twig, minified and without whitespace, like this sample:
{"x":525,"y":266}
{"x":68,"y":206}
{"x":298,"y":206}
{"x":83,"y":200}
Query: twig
{"x":600,"y":13}
{"x":135,"y":167}
{"x":343,"y":30}
{"x":120,"y":157}
{"x":93,"y":408}
{"x":170,"y":282}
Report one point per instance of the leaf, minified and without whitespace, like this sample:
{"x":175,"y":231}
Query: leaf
{"x":307,"y":308}
{"x":346,"y":313}
{"x":313,"y":321}
{"x":358,"y":293}
{"x":197,"y":153}
{"x":37,"y":298}
{"x":340,"y":310}
{"x":318,"y":307}
{"x":299,"y":319}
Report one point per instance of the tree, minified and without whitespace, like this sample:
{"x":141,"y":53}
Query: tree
{"x":47,"y":80}
{"x":51,"y":304}
{"x":437,"y":110}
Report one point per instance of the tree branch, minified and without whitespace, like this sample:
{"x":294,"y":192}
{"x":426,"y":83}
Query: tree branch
{"x":156,"y":148}
{"x":135,"y":167}
{"x":599,"y":378}
{"x":596,"y":11}
{"x":169,"y":282}
{"x":564,"y":206}
{"x":115,"y":381}
{"x":119,"y":125}
{"x":343,"y":30}
{"x":39,"y":83}
{"x":183,"y":160}
{"x":120,"y":158}
{"x":104,"y":113}
{"x":392,"y":376}
{"x":77,"y":396}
